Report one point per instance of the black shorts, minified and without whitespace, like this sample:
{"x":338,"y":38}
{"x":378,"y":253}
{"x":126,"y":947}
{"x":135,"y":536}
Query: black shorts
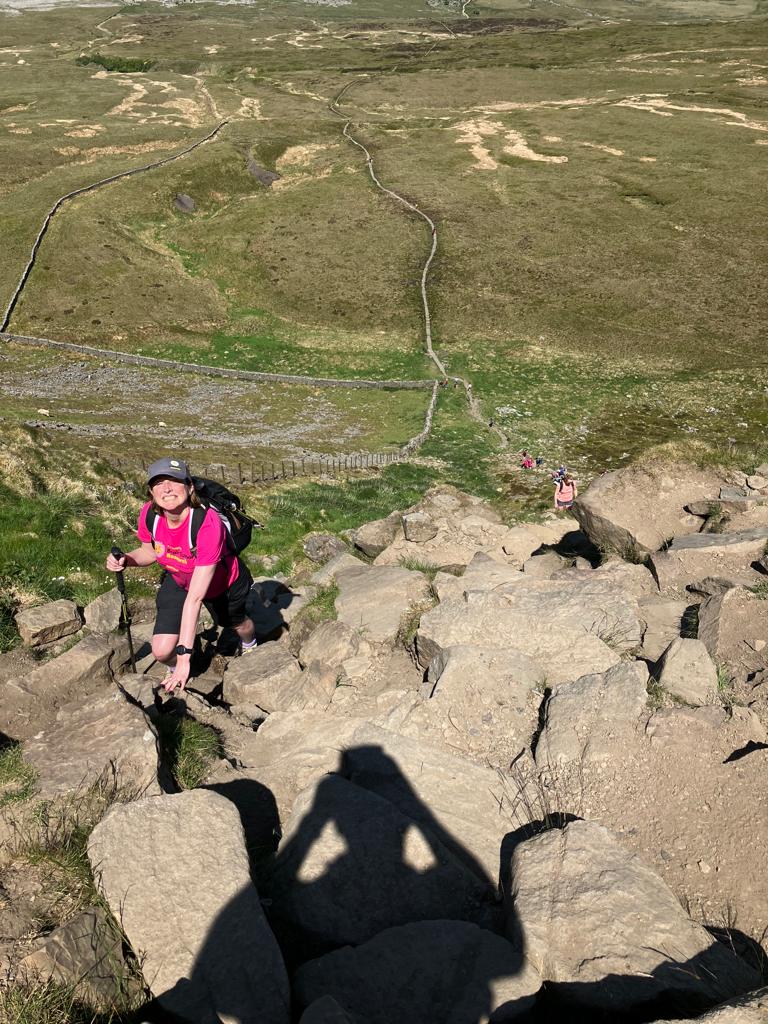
{"x":228,"y":609}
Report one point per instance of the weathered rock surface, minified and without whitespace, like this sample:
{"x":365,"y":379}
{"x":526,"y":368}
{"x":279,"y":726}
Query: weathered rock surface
{"x":418,"y":527}
{"x":47,"y":622}
{"x":663,"y":623}
{"x":102,"y":615}
{"x":579,"y":619}
{"x":321,"y":547}
{"x":729,"y":555}
{"x":446,"y":971}
{"x":30,"y":703}
{"x":476,"y":701}
{"x":605,"y":930}
{"x":372,"y":538}
{"x":545,"y":565}
{"x":207,"y":949}
{"x":85,"y":954}
{"x":590,"y":719}
{"x":642,"y":507}
{"x":102,"y":738}
{"x":734,"y":629}
{"x":267,"y":677}
{"x":325,"y":576}
{"x":688,"y":673}
{"x":374,"y":599}
{"x":450,"y":795}
{"x":340,"y":838}
{"x":332,"y":643}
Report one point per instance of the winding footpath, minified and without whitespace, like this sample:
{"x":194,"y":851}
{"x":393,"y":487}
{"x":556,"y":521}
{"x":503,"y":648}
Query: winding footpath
{"x":81,"y":191}
{"x":472,"y":403}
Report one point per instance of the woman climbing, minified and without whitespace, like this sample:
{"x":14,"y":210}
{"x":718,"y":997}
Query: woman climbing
{"x":198,"y":570}
{"x":565,"y":491}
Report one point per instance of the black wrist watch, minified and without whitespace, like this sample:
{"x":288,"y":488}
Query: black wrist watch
{"x":181,"y":649}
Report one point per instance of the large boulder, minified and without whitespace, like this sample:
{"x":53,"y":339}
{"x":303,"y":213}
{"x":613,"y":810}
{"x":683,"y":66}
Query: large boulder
{"x":331,"y":643}
{"x":639,"y":508}
{"x":31,"y":702}
{"x":607,"y":933}
{"x":734,"y":629}
{"x":451,"y":796}
{"x":206,"y":950}
{"x":103,"y":614}
{"x":593,"y":718}
{"x":92,"y":740}
{"x":322,"y":547}
{"x":268,"y":678}
{"x":568,"y":629}
{"x":375,"y":599}
{"x":350,"y":864}
{"x":688,"y":673}
{"x":664,"y":622}
{"x":726,"y":555}
{"x":372,"y":538}
{"x":48,"y":622}
{"x":421,"y":973}
{"x":476,"y":701}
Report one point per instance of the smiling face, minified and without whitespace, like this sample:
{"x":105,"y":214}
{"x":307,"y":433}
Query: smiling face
{"x":170,"y":495}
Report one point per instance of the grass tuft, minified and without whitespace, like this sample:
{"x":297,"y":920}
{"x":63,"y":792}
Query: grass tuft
{"x":761,"y":591}
{"x":656,"y":694}
{"x":429,"y":569}
{"x":189,"y":749}
{"x":17,"y":777}
{"x":31,"y":1001}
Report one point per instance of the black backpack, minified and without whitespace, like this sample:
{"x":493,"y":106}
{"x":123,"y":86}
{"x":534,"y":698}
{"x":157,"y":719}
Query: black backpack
{"x":238,"y":526}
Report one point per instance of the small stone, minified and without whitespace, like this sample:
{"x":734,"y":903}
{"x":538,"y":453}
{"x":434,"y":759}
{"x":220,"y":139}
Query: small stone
{"x":704,"y":868}
{"x":756,"y":482}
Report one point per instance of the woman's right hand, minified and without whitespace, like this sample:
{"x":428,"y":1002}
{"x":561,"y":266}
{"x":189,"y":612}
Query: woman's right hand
{"x":115,"y":564}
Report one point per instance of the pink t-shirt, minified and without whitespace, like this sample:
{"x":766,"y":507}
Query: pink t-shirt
{"x":171,"y":546}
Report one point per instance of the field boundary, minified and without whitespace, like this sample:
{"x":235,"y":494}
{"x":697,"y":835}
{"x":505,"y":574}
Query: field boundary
{"x":216,"y":371}
{"x":250,"y":472}
{"x":81,"y":191}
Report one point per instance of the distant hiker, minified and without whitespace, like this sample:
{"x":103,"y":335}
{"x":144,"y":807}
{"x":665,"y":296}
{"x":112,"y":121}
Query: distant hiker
{"x":565,"y":491}
{"x":539,"y":461}
{"x":526,"y":460}
{"x":203,"y":570}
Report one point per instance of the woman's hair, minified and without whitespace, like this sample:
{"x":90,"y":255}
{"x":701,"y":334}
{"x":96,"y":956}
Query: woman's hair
{"x":194,"y":501}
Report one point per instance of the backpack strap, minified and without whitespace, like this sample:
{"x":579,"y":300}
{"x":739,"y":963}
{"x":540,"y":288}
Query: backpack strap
{"x":196,"y":517}
{"x":150,"y":521}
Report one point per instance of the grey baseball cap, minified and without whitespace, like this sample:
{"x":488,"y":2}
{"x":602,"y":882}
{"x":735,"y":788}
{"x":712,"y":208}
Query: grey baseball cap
{"x":174,"y":468}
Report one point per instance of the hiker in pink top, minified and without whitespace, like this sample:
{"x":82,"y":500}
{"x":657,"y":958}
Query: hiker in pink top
{"x":208,"y":573}
{"x":565,"y":491}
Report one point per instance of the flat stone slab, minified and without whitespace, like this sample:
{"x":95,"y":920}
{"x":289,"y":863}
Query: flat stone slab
{"x":48,"y":622}
{"x":93,"y":739}
{"x":206,"y":949}
{"x":375,"y":599}
{"x":102,"y":615}
{"x":688,"y":673}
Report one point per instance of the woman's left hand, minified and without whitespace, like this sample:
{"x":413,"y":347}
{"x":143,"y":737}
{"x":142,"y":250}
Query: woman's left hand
{"x":179,"y":676}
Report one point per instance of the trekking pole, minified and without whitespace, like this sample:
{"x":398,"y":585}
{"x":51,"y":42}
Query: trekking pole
{"x":126,"y":614}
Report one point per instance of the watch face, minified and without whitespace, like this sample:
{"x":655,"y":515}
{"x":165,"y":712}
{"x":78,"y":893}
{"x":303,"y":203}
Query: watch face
{"x":181,"y":649}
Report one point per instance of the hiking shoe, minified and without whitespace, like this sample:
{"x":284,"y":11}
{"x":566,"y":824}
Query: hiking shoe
{"x":251,"y":646}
